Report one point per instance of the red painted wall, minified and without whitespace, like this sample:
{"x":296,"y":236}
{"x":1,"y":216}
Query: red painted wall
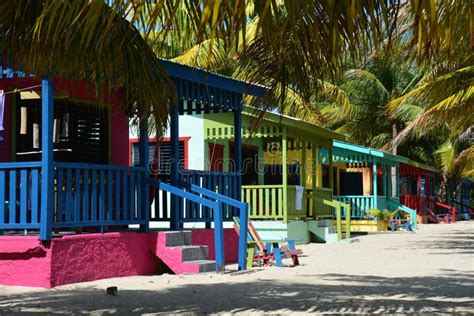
{"x":81,"y":90}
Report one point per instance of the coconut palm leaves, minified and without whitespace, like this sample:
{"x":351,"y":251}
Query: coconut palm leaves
{"x":85,"y":40}
{"x":358,"y":109}
{"x":448,"y":100}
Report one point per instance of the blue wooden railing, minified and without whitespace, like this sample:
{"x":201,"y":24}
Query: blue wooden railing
{"x":215,"y":202}
{"x":243,"y":218}
{"x":360,"y":204}
{"x":224,"y":183}
{"x":98,"y":195}
{"x":89,"y":195}
{"x":20,"y":195}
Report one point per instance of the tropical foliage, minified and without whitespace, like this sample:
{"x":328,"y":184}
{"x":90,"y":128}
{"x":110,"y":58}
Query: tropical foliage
{"x":384,"y":72}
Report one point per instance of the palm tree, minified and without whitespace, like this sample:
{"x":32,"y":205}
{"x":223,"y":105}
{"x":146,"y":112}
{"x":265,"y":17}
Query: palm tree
{"x":441,"y":106}
{"x":108,"y":41}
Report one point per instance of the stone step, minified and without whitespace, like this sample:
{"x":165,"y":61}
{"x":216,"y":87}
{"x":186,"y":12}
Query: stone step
{"x":204,"y":265}
{"x":193,"y":253}
{"x":325,"y":222}
{"x":178,"y":238}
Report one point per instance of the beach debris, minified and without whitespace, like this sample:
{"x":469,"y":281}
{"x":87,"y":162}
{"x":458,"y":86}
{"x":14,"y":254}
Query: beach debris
{"x":112,"y":290}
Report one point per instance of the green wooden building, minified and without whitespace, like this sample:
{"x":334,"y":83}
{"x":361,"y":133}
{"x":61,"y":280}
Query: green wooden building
{"x":285,"y":199}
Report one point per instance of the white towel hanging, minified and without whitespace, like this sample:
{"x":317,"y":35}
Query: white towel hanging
{"x":2,"y":109}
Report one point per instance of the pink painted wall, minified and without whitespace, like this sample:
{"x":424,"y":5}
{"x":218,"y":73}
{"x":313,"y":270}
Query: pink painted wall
{"x":25,"y":261}
{"x":81,"y":258}
{"x":205,"y":237}
{"x":76,"y":258}
{"x":81,"y":90}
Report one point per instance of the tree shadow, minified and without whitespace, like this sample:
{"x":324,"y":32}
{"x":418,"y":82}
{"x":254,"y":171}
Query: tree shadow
{"x":332,"y":293}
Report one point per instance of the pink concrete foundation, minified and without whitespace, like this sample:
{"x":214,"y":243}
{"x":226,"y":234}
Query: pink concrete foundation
{"x":25,"y":261}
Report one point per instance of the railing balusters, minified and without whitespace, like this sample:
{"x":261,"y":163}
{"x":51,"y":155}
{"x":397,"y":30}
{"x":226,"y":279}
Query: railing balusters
{"x":132,"y":196}
{"x":34,"y":195}
{"x":117,"y":196}
{"x":2,"y":197}
{"x":109,"y":195}
{"x":77,"y":196}
{"x":85,"y":196}
{"x":12,"y":201}
{"x":280,"y":202}
{"x":102,"y":196}
{"x":273,"y":192}
{"x":68,"y":210}
{"x":23,"y":195}
{"x":60,"y":196}
{"x":94,"y":195}
{"x":124,"y":197}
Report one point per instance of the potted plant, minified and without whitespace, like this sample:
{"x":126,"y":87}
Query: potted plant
{"x":383,"y":218}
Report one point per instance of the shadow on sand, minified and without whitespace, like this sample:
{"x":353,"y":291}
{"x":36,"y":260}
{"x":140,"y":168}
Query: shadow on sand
{"x":333,"y":293}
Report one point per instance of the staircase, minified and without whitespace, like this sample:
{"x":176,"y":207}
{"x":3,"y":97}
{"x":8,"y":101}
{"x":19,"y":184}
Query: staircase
{"x":175,"y":250}
{"x":324,"y":230}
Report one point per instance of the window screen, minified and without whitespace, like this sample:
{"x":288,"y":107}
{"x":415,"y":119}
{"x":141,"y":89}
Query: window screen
{"x":164,"y":156}
{"x":80,"y":131}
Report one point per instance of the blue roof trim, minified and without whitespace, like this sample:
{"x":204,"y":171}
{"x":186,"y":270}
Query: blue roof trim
{"x":212,"y":79}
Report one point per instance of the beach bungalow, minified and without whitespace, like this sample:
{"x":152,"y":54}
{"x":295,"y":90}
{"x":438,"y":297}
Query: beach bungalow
{"x":285,"y":200}
{"x":71,"y":207}
{"x":417,"y":191}
{"x":367,"y":178}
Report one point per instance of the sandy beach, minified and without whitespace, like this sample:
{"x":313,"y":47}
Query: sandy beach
{"x":431,"y":270}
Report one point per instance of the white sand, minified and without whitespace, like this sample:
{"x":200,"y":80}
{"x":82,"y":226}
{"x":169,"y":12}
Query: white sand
{"x":431,"y":270}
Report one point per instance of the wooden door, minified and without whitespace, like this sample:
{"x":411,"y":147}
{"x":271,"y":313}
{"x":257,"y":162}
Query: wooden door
{"x":216,"y":157}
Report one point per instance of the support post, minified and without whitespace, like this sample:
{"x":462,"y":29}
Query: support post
{"x":303,"y":176}
{"x":219,"y":237}
{"x":303,"y":164}
{"x":284,"y":173}
{"x":314,"y":168}
{"x":238,"y":148}
{"x":47,"y":168}
{"x":389,"y":182}
{"x":243,"y":231}
{"x":331,"y":171}
{"x":174,"y":172}
{"x":397,"y":181}
{"x":384,"y":180}
{"x":374,"y":185}
{"x":145,"y":163}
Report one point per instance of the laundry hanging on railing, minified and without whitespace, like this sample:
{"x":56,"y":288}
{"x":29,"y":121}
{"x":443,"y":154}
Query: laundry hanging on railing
{"x":299,"y":197}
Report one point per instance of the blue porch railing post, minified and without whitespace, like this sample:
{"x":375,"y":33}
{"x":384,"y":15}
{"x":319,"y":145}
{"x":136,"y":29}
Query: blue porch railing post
{"x":47,"y":185}
{"x":374,"y":171}
{"x":174,"y":172}
{"x":242,"y":261}
{"x":238,"y":147}
{"x":243,"y":208}
{"x":145,"y":208}
{"x":219,"y":237}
